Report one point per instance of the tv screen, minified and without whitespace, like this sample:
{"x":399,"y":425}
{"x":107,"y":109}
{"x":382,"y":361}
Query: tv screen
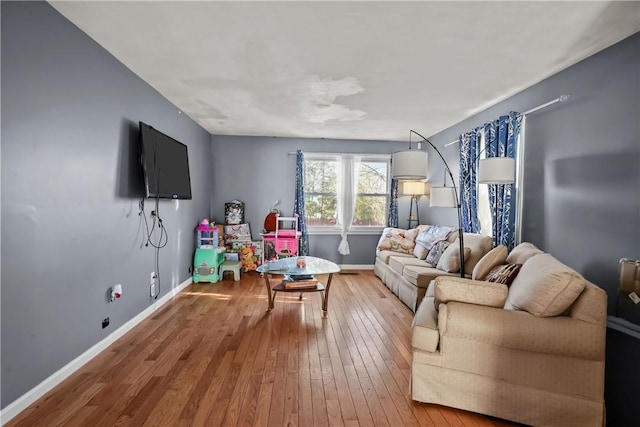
{"x":165,"y":165}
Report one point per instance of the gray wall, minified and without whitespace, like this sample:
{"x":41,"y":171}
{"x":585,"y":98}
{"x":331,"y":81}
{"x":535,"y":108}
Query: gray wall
{"x":258,"y":171}
{"x":71,"y":184}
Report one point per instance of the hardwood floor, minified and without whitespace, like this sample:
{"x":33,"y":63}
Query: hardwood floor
{"x":214,"y":356}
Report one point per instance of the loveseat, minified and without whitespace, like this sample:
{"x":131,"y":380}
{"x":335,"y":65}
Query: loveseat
{"x":402,"y":258}
{"x":532,"y":352}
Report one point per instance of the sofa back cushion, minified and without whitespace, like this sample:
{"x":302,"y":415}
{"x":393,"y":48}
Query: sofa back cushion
{"x":495,"y":257}
{"x":420,"y":252}
{"x":544,"y":287}
{"x":450,"y":259}
{"x":521,"y":253}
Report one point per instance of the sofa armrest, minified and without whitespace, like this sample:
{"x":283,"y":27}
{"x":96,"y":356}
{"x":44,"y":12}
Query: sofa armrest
{"x":519,"y":330}
{"x":449,"y":289}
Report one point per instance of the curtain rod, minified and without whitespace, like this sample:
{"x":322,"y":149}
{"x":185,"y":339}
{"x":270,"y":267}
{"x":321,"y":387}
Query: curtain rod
{"x":561,"y":98}
{"x":291,"y":153}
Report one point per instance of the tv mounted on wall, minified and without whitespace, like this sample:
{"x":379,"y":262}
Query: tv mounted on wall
{"x":165,"y":164}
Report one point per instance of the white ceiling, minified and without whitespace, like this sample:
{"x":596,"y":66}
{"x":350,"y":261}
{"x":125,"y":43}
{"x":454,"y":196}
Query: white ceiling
{"x":347,"y":70}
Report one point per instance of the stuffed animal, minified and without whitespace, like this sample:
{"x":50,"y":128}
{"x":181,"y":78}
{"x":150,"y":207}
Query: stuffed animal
{"x":248,"y":259}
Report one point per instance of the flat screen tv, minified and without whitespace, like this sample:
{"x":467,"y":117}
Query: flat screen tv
{"x":165,"y":164}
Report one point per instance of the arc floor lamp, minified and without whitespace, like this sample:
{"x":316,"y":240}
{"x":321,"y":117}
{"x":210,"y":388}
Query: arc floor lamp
{"x":414,"y":165}
{"x":493,"y":170}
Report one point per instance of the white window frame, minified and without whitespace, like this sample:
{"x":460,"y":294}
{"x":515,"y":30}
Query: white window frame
{"x":336,"y":229}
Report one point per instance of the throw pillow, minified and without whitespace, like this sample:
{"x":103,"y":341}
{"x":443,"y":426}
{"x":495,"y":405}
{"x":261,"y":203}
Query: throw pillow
{"x":395,"y":239}
{"x":491,"y":259}
{"x":420,"y":252}
{"x":504,"y":274}
{"x":450,"y":259}
{"x":433,"y":234}
{"x":411,"y":234}
{"x":436,"y":252}
{"x":545,"y":287}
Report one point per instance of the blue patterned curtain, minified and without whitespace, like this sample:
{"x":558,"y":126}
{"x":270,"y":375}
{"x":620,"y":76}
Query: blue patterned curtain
{"x":298,"y":205}
{"x":392,"y":217}
{"x":469,"y":143}
{"x":501,"y":137}
{"x":500,"y":141}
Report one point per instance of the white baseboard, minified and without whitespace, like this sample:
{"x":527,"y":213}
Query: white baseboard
{"x":356,"y":266}
{"x":624,"y":326}
{"x":21,"y":403}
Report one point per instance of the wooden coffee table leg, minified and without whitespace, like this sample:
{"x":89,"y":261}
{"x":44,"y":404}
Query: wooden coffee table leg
{"x":325,"y":295}
{"x":271,"y":296}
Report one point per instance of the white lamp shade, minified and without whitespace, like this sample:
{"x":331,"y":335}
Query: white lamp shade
{"x":443,"y":197}
{"x":413,"y":188}
{"x":411,"y":164}
{"x":497,"y":170}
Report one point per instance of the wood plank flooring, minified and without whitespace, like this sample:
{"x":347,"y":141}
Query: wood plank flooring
{"x":214,"y":356}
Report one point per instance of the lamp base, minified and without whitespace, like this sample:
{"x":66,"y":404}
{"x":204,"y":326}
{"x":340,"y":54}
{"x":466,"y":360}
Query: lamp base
{"x":412,"y":217}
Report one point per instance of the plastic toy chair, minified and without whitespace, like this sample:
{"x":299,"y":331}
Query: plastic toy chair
{"x":286,"y":239}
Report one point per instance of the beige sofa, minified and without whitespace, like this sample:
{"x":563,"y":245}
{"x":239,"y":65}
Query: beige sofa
{"x":532,"y":353}
{"x":408,"y":276}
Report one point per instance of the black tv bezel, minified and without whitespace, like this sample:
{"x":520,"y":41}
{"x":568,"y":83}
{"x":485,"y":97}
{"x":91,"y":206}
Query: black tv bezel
{"x":144,"y":163}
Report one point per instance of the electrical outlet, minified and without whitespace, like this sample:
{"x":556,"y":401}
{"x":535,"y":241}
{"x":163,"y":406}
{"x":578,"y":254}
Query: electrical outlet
{"x":152,"y":290}
{"x":153,"y":278}
{"x":105,"y":322}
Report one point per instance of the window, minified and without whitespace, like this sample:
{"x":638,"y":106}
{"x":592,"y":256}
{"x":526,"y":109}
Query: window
{"x":326,"y":177}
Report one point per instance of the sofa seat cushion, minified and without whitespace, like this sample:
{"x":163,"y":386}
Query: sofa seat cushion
{"x":385,"y":255}
{"x":421,"y":276}
{"x":424,"y":328}
{"x":398,"y":264}
{"x":545,"y":287}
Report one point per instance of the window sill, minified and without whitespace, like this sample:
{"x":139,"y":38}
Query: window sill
{"x":335,"y":230}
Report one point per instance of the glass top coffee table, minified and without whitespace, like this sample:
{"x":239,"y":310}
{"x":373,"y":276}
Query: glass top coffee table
{"x":298,"y":277}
